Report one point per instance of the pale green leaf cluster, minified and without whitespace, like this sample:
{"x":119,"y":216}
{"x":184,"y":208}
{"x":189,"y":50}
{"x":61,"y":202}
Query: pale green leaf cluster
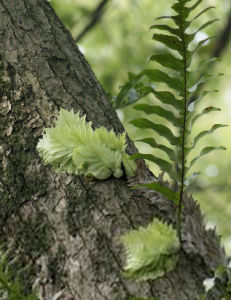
{"x":73,"y":146}
{"x":150,"y":251}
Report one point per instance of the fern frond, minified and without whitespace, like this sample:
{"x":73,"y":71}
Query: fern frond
{"x":170,"y":41}
{"x":161,"y":112}
{"x":204,"y":133}
{"x":204,"y":152}
{"x":205,"y":111}
{"x":72,"y":146}
{"x":164,"y":165}
{"x":162,"y":130}
{"x":163,"y":190}
{"x":184,"y":84}
{"x":202,"y":12}
{"x":174,"y":31}
{"x":169,"y":61}
{"x":151,"y":142}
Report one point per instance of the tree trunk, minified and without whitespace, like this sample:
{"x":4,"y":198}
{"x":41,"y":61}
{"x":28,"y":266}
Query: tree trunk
{"x":63,"y":229}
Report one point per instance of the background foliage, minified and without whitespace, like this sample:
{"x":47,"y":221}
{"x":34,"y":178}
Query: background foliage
{"x":120,"y":42}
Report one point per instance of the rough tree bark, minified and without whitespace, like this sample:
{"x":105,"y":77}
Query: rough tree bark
{"x":61,"y":228}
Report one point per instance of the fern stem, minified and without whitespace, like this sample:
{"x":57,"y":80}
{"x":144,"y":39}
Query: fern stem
{"x":183,"y":137}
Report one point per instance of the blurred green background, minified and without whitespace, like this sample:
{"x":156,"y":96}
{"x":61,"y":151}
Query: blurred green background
{"x":120,"y":42}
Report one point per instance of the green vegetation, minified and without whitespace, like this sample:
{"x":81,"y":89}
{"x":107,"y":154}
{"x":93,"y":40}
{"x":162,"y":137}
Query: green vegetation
{"x":10,"y":289}
{"x":150,"y":251}
{"x":72,"y":146}
{"x":178,"y":107}
{"x":121,"y":42}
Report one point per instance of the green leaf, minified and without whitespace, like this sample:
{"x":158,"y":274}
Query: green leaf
{"x":164,"y":17}
{"x":165,"y":97}
{"x":129,"y":165}
{"x":164,"y":113}
{"x":97,"y":160}
{"x":199,"y":44}
{"x":170,"y":41}
{"x":119,"y":103}
{"x":169,"y":61}
{"x":200,"y":96}
{"x":131,"y":76}
{"x":205,"y":93}
{"x":202,"y":12}
{"x":168,"y":98}
{"x":210,"y":22}
{"x":73,"y":146}
{"x":190,"y":37}
{"x":174,"y":31}
{"x":195,"y":5}
{"x":133,"y":96}
{"x":204,"y":152}
{"x":178,"y":21}
{"x":154,"y":75}
{"x":163,"y":190}
{"x":151,"y":142}
{"x":205,"y":63}
{"x":182,"y":10}
{"x":144,"y":91}
{"x":160,"y":129}
{"x":206,"y":132}
{"x":163,"y":164}
{"x":203,"y":79}
{"x":159,"y":76}
{"x":205,"y":111}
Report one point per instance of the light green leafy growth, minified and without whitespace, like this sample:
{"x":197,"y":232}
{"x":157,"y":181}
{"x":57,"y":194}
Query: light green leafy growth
{"x":72,"y":146}
{"x":150,"y":251}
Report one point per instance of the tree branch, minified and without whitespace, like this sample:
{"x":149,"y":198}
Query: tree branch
{"x":95,"y":17}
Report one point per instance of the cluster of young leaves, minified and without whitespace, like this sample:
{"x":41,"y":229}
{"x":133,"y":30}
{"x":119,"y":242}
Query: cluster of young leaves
{"x":150,"y":251}
{"x":8,"y":287}
{"x":73,"y":146}
{"x":183,"y":87}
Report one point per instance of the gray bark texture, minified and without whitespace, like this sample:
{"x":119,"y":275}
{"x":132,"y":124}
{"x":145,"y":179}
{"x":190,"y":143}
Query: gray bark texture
{"x":62,"y":230}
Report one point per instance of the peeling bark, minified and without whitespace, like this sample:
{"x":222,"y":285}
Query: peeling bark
{"x":63,"y":229}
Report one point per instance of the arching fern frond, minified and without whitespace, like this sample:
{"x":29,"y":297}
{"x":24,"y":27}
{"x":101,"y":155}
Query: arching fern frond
{"x":183,"y":84}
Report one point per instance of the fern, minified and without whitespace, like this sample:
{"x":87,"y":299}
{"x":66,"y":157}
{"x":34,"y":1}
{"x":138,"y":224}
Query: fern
{"x":183,"y":87}
{"x":72,"y":146}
